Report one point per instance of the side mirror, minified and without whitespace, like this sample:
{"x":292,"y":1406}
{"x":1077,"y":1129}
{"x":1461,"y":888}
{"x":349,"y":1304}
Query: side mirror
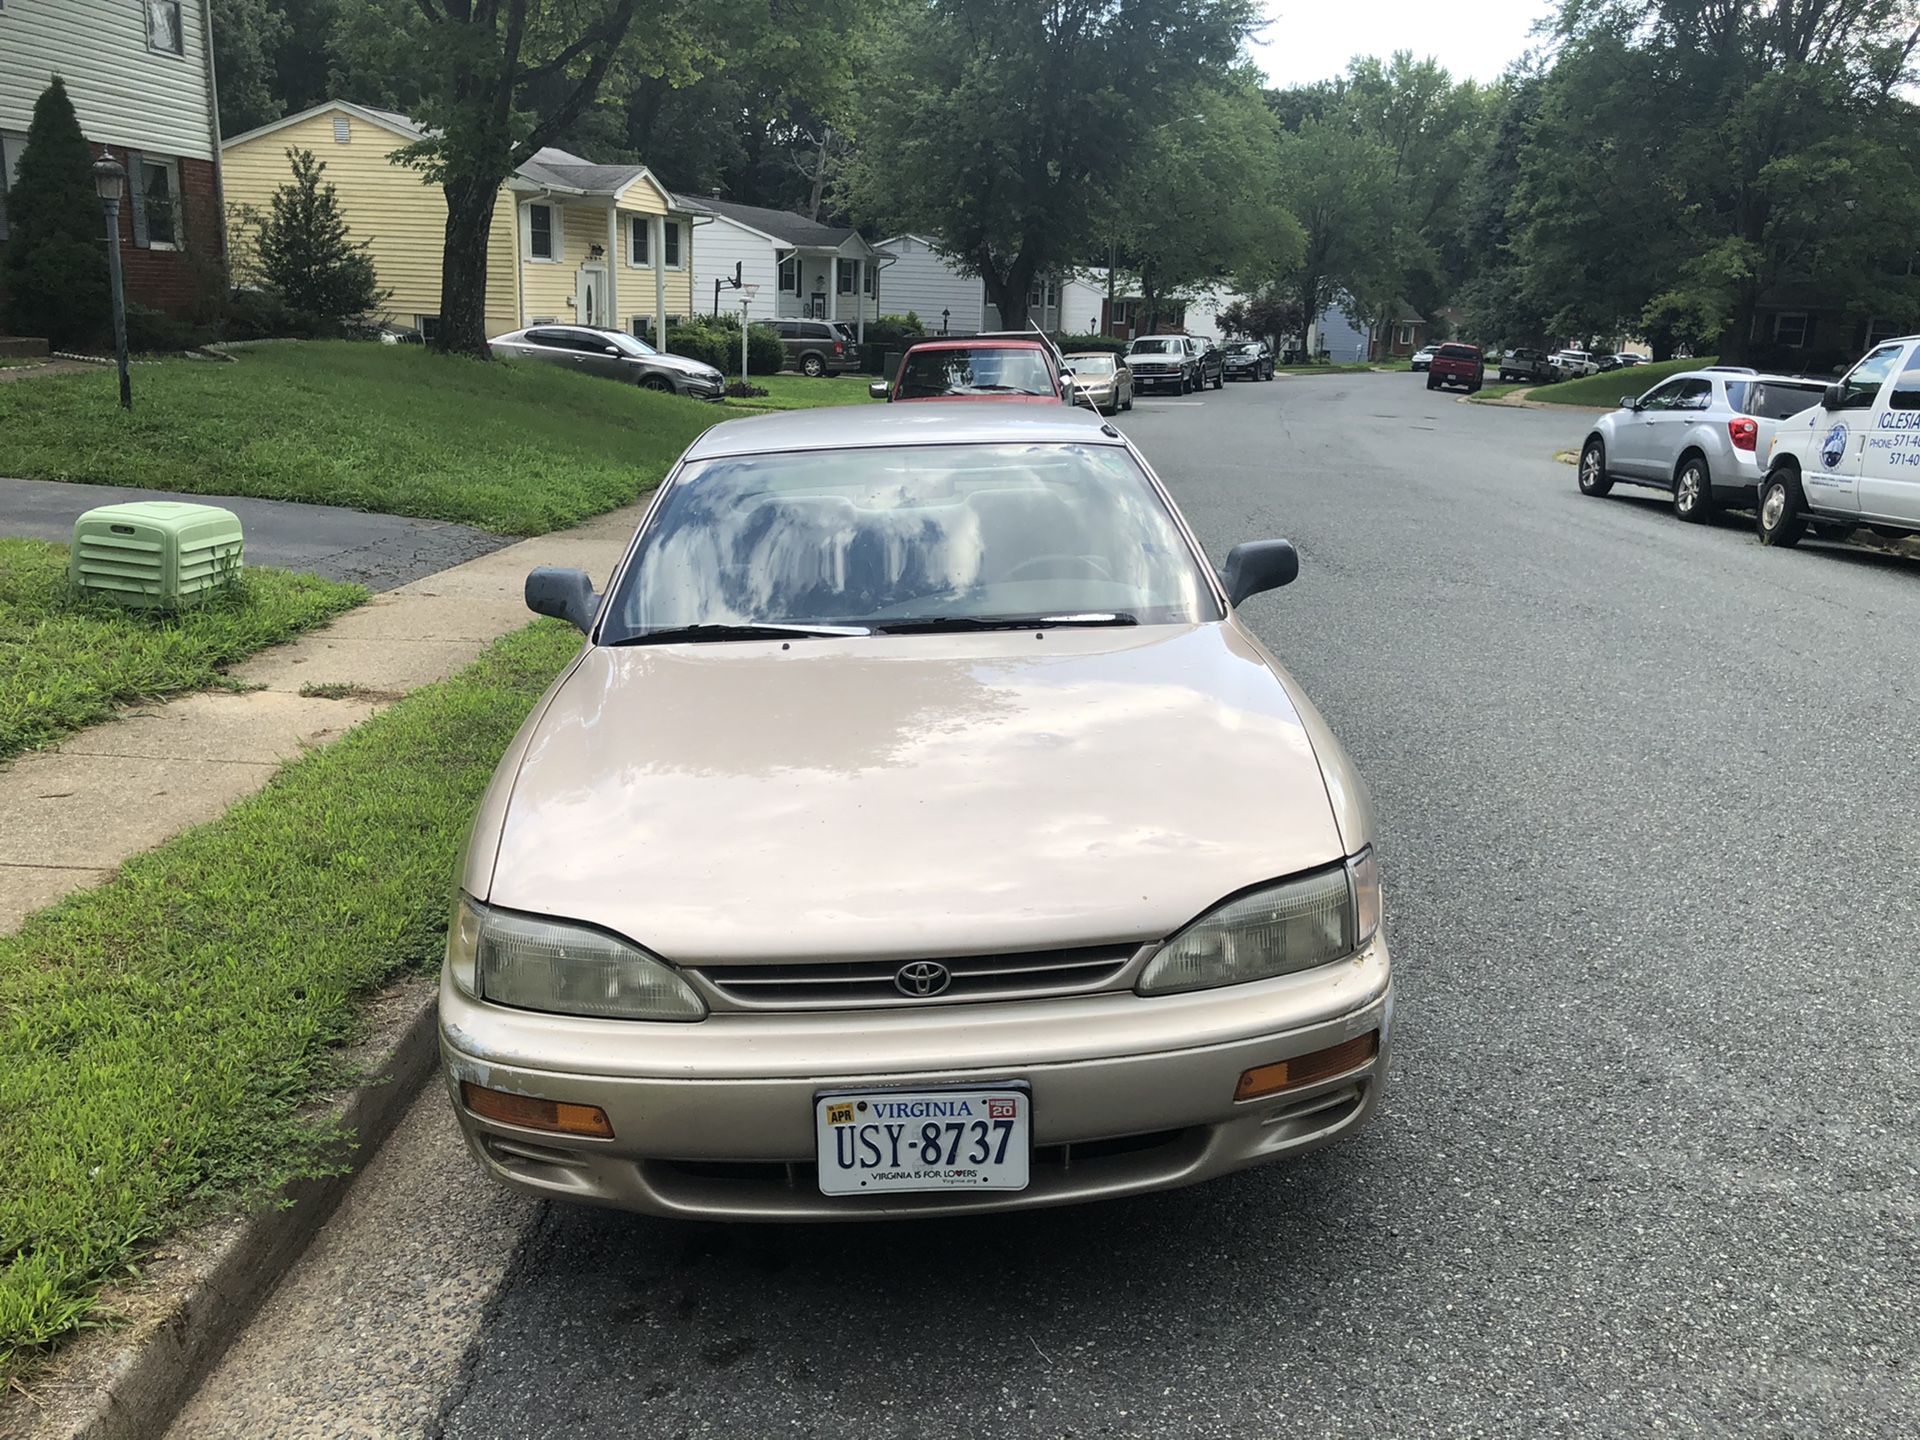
{"x":1834,"y":397}
{"x":1259,"y":565}
{"x":1630,"y":402}
{"x":878,"y":389}
{"x":564,"y":594}
{"x":613,"y":350}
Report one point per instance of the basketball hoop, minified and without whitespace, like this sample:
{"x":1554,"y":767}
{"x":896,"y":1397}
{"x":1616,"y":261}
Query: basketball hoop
{"x":751,"y":290}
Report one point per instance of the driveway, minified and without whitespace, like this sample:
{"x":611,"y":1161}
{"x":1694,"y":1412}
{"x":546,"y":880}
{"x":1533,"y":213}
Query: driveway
{"x":1648,"y":1161}
{"x":377,"y":551}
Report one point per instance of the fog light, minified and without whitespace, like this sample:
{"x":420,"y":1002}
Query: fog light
{"x":531,"y":1113}
{"x":1306,"y":1069}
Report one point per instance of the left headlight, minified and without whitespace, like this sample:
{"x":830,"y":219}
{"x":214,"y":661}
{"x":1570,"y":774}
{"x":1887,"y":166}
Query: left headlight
{"x":1300,"y":923}
{"x":532,"y":963}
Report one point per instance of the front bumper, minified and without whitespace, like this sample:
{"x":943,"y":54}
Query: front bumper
{"x":1154,"y":379}
{"x":715,"y":1120}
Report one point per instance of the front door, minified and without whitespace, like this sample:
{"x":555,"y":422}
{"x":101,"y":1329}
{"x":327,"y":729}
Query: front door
{"x":1890,"y":463}
{"x":590,"y":296}
{"x":817,"y":306}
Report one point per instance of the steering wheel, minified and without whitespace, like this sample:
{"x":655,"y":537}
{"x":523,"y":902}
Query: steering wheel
{"x":1087,"y":563}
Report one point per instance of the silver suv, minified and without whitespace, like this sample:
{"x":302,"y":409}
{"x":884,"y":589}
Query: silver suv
{"x":1700,"y":435}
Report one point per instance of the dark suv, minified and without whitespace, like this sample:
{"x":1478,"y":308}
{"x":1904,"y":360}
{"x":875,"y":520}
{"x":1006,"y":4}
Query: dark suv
{"x":1525,"y":364}
{"x":817,"y":347}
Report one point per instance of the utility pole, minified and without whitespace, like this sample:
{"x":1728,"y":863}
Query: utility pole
{"x":109,"y":183}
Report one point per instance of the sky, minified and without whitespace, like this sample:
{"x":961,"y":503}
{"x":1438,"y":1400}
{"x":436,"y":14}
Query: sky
{"x":1308,"y":40}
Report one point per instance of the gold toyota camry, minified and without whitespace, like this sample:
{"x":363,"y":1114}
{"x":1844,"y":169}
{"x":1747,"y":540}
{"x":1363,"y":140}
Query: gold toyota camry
{"x":918,"y":831}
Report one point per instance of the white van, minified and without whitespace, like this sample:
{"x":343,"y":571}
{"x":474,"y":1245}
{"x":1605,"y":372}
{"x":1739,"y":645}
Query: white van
{"x":1852,"y":460}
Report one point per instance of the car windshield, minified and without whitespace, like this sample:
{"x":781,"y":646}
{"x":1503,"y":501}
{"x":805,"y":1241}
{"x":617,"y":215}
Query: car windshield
{"x":1772,"y":399}
{"x":1244,"y":347}
{"x":1091,"y":364}
{"x":955,"y":535}
{"x":627,"y":343}
{"x":974,"y":370}
{"x":1155,"y":347}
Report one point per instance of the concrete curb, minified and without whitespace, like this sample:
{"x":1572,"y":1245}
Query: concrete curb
{"x":131,"y":1383}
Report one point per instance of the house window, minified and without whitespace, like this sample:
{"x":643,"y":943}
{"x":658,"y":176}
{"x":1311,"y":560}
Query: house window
{"x":670,"y":247}
{"x":1405,"y":333}
{"x":342,"y":132}
{"x":1790,"y":329}
{"x":790,"y":275}
{"x":10,"y":148}
{"x":165,"y":34}
{"x":1879,"y":330}
{"x":639,"y":229}
{"x":428,"y":326}
{"x":843,"y":271}
{"x":160,"y":198}
{"x":866,"y":283}
{"x":540,"y":232}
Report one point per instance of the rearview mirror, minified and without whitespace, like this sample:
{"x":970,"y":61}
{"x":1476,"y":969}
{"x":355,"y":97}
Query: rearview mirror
{"x":878,"y":389}
{"x":1834,"y":397}
{"x":1259,"y":565}
{"x":564,"y":594}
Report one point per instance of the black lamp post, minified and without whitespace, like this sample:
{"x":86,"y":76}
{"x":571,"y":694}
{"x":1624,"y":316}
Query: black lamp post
{"x":110,"y":183}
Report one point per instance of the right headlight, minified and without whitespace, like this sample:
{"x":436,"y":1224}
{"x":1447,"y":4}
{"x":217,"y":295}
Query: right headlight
{"x":1300,"y":923}
{"x":533,"y":963}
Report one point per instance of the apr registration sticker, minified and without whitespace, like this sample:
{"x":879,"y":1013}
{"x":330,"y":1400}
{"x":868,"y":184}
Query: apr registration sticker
{"x":879,"y":1142}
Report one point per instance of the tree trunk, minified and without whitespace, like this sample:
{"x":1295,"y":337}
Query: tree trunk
{"x":1008,"y":292}
{"x":1736,"y":341}
{"x":819,"y":190}
{"x":463,"y":269}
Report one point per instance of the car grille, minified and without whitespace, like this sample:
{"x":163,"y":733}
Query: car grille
{"x":859,"y":984}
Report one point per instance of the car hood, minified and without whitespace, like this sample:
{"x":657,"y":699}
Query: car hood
{"x":679,"y":364}
{"x":911,"y":795}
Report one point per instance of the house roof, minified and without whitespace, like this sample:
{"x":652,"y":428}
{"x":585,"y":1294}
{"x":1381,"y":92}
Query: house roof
{"x":782,"y":226}
{"x":1405,"y":314}
{"x":391,"y":120}
{"x":549,"y":166}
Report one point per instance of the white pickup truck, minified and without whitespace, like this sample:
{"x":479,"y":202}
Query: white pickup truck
{"x":1853,"y":459}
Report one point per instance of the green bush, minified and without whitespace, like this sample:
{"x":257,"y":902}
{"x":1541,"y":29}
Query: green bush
{"x":889,"y":332}
{"x":150,"y":330}
{"x":716,"y":342}
{"x":55,"y":263}
{"x":1098,"y":344}
{"x":705,"y":342}
{"x":263,"y":315}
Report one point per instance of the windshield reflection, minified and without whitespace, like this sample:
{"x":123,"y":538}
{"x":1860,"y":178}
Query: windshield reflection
{"x":898,"y":535}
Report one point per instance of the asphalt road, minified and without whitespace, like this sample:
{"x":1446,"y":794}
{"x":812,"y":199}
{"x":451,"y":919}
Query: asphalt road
{"x":380,"y":552}
{"x":1648,"y":1164}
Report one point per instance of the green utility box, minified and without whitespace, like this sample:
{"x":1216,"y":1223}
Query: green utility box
{"x":158,"y":554}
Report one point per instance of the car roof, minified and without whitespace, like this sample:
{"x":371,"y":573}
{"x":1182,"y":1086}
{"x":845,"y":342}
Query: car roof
{"x":978,"y":422}
{"x":1089,"y":355}
{"x":978,"y":342}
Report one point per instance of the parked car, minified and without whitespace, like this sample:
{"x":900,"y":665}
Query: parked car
{"x":1164,"y":362}
{"x":1211,"y":360}
{"x":976,"y":368}
{"x":1457,"y":364}
{"x":1423,"y":357}
{"x":1101,"y":380}
{"x":1522,"y":363}
{"x":1249,"y":360}
{"x":818,"y":347}
{"x":1628,"y":361}
{"x":1572,"y":364}
{"x":1604,"y":363}
{"x":614,"y":354}
{"x":986,"y":1013}
{"x":1852,"y":459}
{"x":1700,"y":435}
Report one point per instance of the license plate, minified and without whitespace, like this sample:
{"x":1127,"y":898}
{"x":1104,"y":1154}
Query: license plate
{"x":880,"y":1142}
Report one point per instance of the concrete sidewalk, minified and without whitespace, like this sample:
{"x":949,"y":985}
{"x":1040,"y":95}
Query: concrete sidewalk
{"x":381,"y":552}
{"x":70,"y":816}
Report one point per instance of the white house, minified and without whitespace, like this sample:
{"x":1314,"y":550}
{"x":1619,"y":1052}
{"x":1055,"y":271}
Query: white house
{"x":141,"y":80}
{"x":952,"y":300}
{"x":800,"y":266}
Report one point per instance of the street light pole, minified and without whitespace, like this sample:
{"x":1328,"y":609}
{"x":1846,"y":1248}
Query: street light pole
{"x":109,"y":182}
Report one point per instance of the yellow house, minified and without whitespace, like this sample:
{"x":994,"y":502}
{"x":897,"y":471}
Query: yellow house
{"x":572,"y":241}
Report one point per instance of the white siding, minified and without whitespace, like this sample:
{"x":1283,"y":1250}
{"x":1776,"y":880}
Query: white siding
{"x":1203,"y":311}
{"x":1080,"y":304}
{"x":718,"y":244}
{"x":925,"y":282}
{"x":125,"y":94}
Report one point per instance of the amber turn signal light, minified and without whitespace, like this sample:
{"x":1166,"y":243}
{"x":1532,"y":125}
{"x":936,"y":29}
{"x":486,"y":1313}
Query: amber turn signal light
{"x":532,"y":1113}
{"x":1306,"y":1069}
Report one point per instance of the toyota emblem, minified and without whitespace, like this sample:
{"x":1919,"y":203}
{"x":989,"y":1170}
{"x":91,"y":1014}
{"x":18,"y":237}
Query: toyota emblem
{"x":922,"y":978}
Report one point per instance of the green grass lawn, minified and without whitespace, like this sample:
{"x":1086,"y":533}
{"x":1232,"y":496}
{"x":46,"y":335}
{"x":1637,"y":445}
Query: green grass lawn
{"x":517,"y":449}
{"x":797,"y":392}
{"x":1360,"y":367}
{"x":68,"y":659}
{"x":18,"y":362}
{"x":1602,"y":390}
{"x":163,"y":1033}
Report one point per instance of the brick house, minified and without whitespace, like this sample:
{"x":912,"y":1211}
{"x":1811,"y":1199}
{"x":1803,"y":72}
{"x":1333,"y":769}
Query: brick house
{"x":140,"y":75}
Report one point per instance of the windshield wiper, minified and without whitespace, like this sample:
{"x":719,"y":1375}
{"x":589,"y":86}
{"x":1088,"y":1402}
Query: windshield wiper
{"x":696,"y":634}
{"x":937,"y":624}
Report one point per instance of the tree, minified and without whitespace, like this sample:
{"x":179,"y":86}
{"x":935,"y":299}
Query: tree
{"x":56,"y":264}
{"x":1204,"y":203}
{"x":476,"y":59}
{"x":1008,"y":128}
{"x":247,"y":34}
{"x":1265,"y":315}
{"x":305,"y":253}
{"x":1338,"y":184}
